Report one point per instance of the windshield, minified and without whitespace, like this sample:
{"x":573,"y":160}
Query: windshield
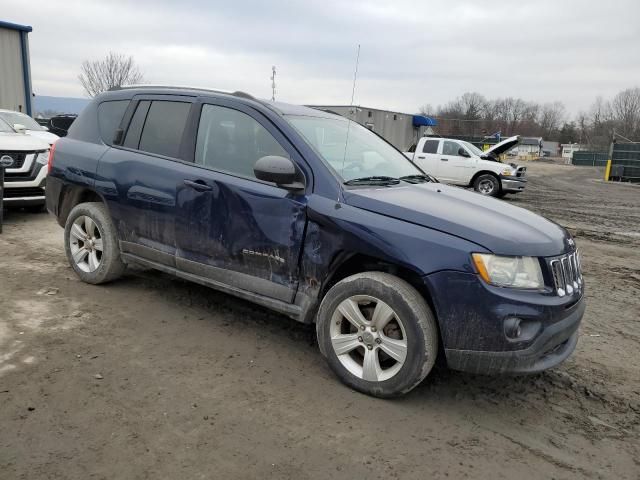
{"x":5,"y":128}
{"x":473,"y":149}
{"x":367,"y":155}
{"x":16,"y":117}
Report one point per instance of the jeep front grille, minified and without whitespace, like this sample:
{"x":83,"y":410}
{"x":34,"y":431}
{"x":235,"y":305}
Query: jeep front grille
{"x":567,"y":274}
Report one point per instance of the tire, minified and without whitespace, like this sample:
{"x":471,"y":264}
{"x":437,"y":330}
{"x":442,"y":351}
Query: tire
{"x":412,"y":324}
{"x":487,"y":184}
{"x":90,"y":263}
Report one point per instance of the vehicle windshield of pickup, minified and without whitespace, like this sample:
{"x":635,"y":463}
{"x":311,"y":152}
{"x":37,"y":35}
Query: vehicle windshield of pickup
{"x":367,"y":159}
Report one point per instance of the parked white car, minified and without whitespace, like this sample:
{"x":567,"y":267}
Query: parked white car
{"x":461,"y":163}
{"x":22,"y":123}
{"x":24,"y":159}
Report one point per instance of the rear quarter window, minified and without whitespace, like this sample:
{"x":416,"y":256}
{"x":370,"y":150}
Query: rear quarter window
{"x":109,"y":117}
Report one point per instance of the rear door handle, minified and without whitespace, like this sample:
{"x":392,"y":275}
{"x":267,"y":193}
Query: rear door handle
{"x":198,"y":185}
{"x":422,"y":157}
{"x":444,"y":159}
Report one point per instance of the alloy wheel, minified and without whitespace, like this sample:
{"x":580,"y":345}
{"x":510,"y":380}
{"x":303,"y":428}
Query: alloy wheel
{"x":369,"y":338}
{"x":85,"y":241}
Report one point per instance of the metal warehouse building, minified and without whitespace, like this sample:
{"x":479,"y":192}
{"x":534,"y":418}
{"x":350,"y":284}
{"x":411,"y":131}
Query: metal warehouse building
{"x":400,"y":129}
{"x":15,"y":70}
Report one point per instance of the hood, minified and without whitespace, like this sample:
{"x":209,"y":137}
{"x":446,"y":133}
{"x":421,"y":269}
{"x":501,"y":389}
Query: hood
{"x":493,"y":224}
{"x":21,"y":142}
{"x":503,"y":146}
{"x":48,"y":137}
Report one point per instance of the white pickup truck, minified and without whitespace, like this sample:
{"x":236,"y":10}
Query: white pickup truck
{"x":461,"y":163}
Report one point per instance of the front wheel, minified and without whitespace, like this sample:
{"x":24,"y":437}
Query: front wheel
{"x":377,"y":333}
{"x":487,"y":184}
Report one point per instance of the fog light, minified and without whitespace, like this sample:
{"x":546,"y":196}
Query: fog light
{"x":512,"y":328}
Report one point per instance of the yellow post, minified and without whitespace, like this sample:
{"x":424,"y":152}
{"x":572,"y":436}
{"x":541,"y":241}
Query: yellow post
{"x":607,"y":171}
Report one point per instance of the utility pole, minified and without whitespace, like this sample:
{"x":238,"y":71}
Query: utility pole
{"x":273,"y":83}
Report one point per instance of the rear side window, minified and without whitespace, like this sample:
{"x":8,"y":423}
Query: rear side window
{"x":109,"y":118}
{"x":163,"y":127}
{"x":232,"y":141}
{"x":430,"y":146}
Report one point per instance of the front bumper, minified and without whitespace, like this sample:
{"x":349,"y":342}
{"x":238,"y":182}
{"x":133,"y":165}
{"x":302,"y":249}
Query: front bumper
{"x":512,"y":184}
{"x":23,"y":189}
{"x":473,"y":316}
{"x":552,"y":347}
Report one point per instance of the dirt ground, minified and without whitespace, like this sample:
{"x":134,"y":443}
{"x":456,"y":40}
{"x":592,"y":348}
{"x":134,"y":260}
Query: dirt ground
{"x":153,"y":377}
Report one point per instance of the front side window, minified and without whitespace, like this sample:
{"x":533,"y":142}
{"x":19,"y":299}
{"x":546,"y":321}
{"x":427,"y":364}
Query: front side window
{"x":109,"y":118}
{"x":450,"y":148}
{"x":162,"y":132}
{"x":473,"y":149}
{"x":352,"y":150}
{"x":231,"y":141}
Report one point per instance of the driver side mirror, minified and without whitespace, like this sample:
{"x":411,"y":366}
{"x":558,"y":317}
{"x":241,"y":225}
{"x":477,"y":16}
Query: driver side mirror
{"x":463,"y":153}
{"x":19,"y":128}
{"x":279,"y":170}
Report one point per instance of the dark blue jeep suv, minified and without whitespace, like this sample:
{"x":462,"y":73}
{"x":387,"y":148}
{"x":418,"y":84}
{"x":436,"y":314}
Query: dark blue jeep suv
{"x":312,"y":215}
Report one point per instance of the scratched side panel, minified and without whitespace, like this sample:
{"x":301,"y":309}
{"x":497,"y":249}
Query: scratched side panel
{"x":242,"y":227}
{"x":336,"y":231}
{"x":140,"y":191}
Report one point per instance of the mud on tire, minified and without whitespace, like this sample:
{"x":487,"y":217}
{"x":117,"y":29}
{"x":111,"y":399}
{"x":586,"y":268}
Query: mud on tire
{"x":376,"y":292}
{"x":91,"y":244}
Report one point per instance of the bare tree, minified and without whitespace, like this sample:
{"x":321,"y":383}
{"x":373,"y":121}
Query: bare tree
{"x":115,"y":70}
{"x":426,"y":110}
{"x":625,"y":108}
{"x":551,"y":117}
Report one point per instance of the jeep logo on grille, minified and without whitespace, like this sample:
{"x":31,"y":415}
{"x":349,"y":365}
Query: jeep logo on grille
{"x":6,"y":161}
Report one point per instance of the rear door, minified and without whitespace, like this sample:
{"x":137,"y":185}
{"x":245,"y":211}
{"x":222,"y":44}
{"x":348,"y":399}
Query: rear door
{"x":140,"y":177}
{"x":231,"y":227}
{"x":455,"y":168}
{"x":427,"y":158}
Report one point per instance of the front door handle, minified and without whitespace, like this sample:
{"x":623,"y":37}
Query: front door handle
{"x":198,"y":185}
{"x":444,"y":159}
{"x":422,"y":157}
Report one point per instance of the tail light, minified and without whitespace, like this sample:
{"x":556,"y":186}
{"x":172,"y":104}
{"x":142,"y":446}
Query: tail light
{"x":50,"y":162}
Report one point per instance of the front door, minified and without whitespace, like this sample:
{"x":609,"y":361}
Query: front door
{"x":455,"y":168}
{"x":233,"y":228}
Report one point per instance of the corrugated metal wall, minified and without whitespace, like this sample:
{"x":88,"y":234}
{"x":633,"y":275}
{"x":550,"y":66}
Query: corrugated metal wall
{"x":11,"y":74}
{"x":396,"y":128}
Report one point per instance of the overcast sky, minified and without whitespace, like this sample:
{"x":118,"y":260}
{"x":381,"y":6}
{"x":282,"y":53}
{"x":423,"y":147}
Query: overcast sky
{"x":412,"y":52}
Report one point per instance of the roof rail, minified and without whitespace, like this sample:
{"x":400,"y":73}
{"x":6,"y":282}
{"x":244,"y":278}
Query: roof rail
{"x":186,"y":87}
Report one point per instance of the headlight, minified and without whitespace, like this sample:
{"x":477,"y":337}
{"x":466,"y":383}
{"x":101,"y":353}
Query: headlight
{"x":43,"y":157}
{"x":515,"y":272}
{"x":507,"y":172}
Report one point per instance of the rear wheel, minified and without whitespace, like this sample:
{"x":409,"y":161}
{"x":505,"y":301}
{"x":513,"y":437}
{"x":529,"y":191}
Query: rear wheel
{"x":377,"y":333}
{"x":91,"y":244}
{"x":487,"y":184}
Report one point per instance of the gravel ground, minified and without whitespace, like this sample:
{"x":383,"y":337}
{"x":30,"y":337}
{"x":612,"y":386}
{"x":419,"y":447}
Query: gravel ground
{"x":153,"y":377}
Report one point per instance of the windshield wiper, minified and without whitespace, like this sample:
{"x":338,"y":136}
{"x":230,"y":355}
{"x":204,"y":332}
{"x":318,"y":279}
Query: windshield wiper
{"x":418,"y":178}
{"x":379,"y":180}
